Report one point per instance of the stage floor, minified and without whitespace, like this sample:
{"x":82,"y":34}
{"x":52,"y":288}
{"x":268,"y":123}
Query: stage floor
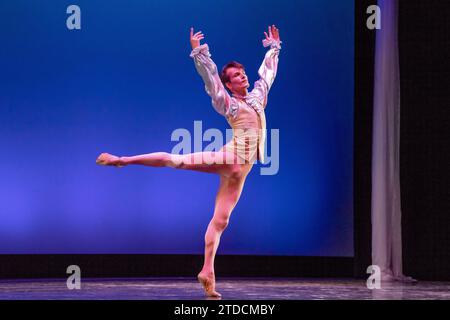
{"x":230,"y":288}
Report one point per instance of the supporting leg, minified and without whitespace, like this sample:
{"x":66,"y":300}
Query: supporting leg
{"x":227,"y":197}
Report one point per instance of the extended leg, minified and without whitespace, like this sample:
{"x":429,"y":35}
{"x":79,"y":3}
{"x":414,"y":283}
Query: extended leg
{"x":220,"y":162}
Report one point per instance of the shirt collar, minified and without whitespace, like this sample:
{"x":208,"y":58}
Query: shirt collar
{"x":239,"y":96}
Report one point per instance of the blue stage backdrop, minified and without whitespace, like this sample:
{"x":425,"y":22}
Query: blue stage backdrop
{"x":124,"y":82}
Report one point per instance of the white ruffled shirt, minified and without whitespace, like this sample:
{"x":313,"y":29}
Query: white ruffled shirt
{"x":229,"y":106}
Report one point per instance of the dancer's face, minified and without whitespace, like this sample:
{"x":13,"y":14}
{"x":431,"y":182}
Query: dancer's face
{"x":238,"y":80}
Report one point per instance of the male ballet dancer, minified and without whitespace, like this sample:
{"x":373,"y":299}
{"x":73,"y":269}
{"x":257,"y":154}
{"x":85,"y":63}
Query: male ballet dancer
{"x":244,"y":111}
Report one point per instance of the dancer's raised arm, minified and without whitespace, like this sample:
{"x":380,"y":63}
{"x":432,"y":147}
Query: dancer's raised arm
{"x":208,"y":71}
{"x":268,"y":69}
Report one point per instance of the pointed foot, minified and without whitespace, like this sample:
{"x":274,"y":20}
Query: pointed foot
{"x":208,"y":282}
{"x":106,"y":159}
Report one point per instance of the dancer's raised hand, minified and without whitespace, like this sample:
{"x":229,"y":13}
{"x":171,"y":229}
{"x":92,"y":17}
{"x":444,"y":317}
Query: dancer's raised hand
{"x":195,"y":38}
{"x":274,"y":34}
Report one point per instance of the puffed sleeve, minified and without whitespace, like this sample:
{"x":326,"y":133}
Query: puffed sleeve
{"x":267,"y":71}
{"x":207,"y":69}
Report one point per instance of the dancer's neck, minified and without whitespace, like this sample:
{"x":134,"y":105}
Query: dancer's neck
{"x":240,"y":94}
